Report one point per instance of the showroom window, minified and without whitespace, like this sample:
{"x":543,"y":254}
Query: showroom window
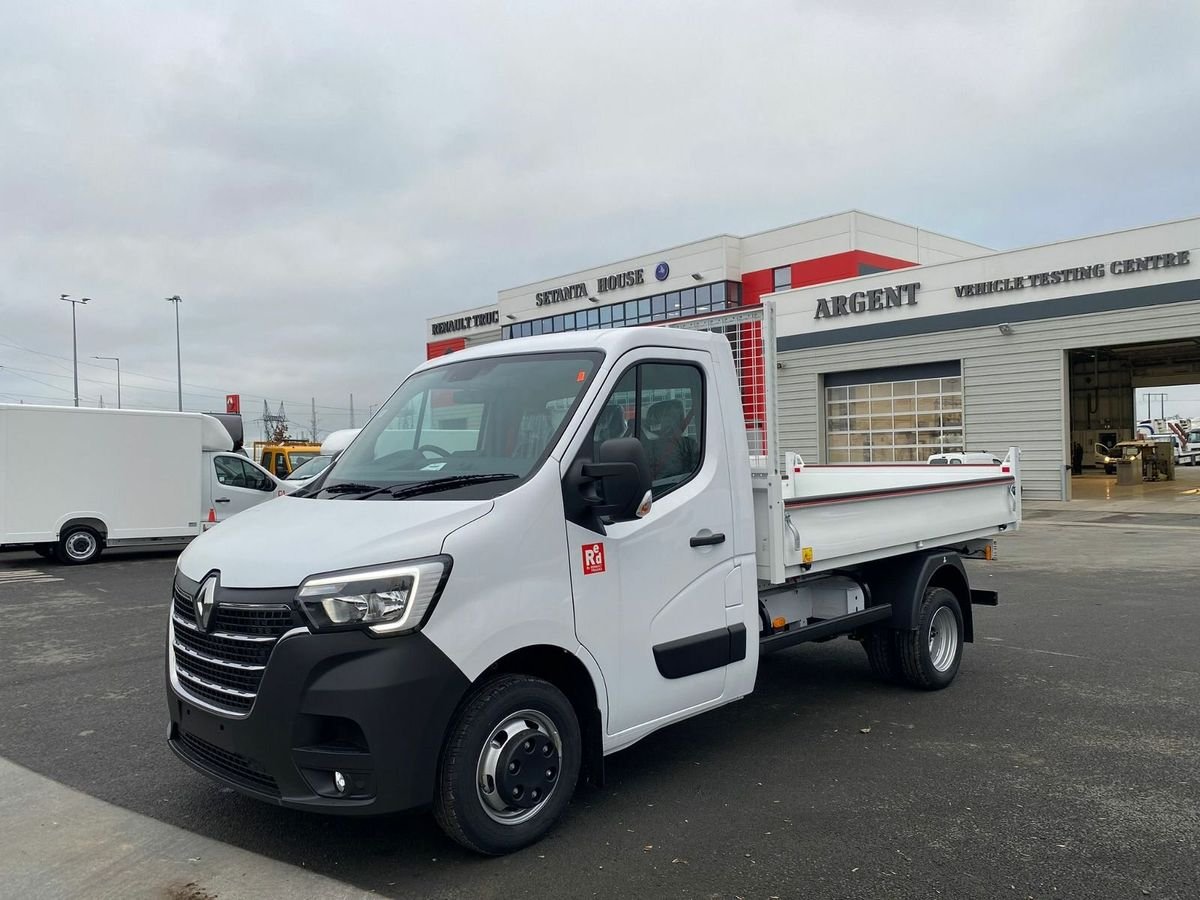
{"x":693,"y":301}
{"x":905,"y":414}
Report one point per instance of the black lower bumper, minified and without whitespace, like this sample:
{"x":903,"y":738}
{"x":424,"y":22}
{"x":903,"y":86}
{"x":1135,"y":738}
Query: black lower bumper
{"x":375,"y":710}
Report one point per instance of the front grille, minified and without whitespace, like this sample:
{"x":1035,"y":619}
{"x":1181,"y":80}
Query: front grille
{"x":234,"y":766}
{"x":252,"y":653}
{"x":198,"y":690}
{"x":219,"y":673}
{"x":223,"y":666}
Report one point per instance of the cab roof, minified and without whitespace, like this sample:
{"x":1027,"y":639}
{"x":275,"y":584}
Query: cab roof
{"x":612,"y":342}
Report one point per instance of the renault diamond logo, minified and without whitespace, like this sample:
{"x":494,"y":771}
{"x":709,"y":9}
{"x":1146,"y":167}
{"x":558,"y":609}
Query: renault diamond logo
{"x":205,"y":600}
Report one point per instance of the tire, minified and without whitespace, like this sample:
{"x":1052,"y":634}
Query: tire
{"x":78,"y":546}
{"x":46,"y":551}
{"x":482,"y":748}
{"x":880,"y":644}
{"x":930,"y":655}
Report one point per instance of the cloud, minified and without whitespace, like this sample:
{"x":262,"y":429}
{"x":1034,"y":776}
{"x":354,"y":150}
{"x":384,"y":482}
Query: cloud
{"x":315,"y":180}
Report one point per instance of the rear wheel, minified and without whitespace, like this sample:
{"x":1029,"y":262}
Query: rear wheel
{"x":44,"y":550}
{"x":930,"y":655}
{"x":880,"y":644}
{"x":78,"y":546}
{"x":509,"y":766}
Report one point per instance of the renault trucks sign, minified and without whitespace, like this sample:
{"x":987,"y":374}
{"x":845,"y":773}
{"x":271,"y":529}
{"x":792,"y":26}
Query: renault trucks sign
{"x":466,"y":323}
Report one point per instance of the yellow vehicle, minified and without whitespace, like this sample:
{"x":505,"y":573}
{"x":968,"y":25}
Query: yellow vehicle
{"x":280,"y":458}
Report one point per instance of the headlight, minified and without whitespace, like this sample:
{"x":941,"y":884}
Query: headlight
{"x":386,"y":599}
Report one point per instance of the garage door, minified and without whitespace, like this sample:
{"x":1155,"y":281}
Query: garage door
{"x":898,"y":414}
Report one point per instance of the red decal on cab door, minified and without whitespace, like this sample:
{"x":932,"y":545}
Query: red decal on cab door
{"x":593,"y":558}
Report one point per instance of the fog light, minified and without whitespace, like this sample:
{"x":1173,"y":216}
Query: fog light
{"x":339,"y":782}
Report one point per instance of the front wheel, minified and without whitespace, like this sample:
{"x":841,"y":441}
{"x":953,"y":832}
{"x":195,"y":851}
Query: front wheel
{"x":929,"y":656}
{"x":509,"y":766}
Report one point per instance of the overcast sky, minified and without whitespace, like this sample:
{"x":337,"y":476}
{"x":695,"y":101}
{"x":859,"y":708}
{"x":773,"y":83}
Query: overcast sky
{"x":315,"y":179}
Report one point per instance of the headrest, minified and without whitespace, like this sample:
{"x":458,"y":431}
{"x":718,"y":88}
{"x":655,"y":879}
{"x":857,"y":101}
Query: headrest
{"x":665,"y":413}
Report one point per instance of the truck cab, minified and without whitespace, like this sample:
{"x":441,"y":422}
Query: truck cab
{"x":281,"y":459}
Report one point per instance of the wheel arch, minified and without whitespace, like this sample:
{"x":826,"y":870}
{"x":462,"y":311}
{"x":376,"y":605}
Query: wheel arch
{"x":93,"y":522}
{"x":903,"y":583}
{"x":568,"y":673}
{"x":954,"y":579}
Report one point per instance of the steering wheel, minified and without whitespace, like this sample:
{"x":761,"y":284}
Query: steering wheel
{"x":445,"y":454}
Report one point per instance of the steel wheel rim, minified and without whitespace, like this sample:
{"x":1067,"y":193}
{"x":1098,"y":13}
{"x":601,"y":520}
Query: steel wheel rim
{"x":487,"y":776}
{"x":81,"y":545}
{"x":943,"y":639}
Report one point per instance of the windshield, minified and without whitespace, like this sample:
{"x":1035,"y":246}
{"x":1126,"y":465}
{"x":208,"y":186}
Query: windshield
{"x":314,"y":466}
{"x":300,"y":457}
{"x":494,"y":416}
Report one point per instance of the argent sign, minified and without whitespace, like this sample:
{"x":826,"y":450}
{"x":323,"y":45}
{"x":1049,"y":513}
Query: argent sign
{"x":869,"y":301}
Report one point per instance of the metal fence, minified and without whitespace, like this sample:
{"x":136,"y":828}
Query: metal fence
{"x":751,"y":335}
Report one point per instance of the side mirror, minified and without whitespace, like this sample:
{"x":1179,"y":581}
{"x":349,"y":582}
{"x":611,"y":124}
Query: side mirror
{"x":619,"y":482}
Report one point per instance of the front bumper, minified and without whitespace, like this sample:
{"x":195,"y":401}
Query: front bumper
{"x":374,"y":709}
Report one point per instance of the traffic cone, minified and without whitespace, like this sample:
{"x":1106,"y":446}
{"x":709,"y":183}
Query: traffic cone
{"x":212,"y":514}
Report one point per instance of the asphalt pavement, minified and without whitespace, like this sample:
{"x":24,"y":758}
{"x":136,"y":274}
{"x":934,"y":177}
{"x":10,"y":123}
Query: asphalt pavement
{"x":1063,"y":762}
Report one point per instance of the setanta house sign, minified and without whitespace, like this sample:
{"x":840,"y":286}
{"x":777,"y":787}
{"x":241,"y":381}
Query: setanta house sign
{"x":604,"y":283}
{"x":1077,"y":273}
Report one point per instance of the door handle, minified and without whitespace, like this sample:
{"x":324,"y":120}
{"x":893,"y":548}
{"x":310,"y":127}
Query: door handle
{"x":707,"y":540}
{"x":221,"y":500}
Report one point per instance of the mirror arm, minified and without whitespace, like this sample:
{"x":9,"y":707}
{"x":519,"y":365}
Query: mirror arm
{"x":604,"y":470}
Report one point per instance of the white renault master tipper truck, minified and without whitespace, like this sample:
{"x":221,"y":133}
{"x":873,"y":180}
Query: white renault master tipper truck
{"x":475,"y":628}
{"x":75,"y":480}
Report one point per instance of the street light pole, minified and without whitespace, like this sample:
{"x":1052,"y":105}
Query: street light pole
{"x":74,"y":342}
{"x":176,"y":299}
{"x":117,"y":360}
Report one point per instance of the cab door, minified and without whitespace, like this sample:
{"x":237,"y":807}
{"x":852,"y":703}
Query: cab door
{"x":650,"y":594}
{"x":238,"y":484}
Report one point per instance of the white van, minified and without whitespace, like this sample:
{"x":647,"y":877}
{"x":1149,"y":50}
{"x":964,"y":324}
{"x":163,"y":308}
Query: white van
{"x":74,"y":481}
{"x":982,"y":458}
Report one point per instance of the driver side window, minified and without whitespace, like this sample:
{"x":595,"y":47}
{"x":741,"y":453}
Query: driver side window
{"x":255,"y":478}
{"x":662,"y":405}
{"x":229,"y":471}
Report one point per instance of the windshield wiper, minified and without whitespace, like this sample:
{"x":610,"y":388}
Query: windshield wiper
{"x":411,"y":489}
{"x":347,"y":487}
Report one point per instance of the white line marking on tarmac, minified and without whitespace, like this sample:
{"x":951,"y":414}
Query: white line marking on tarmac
{"x":25,"y":576}
{"x":1125,"y":526}
{"x":1047,"y":652}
